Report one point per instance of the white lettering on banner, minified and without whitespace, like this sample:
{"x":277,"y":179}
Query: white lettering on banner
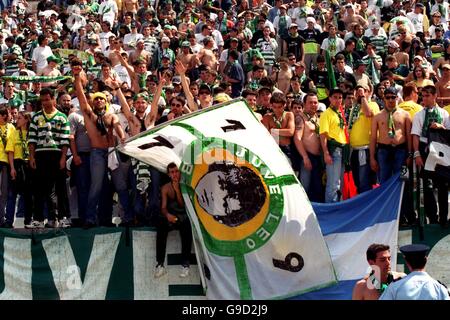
{"x":263,"y":234}
{"x":187,"y":168}
{"x":256,"y":162}
{"x":60,"y":258}
{"x":146,"y":287}
{"x":268,"y":174}
{"x":275,"y":189}
{"x":271,"y":216}
{"x":250,"y":243}
{"x":17,"y":269}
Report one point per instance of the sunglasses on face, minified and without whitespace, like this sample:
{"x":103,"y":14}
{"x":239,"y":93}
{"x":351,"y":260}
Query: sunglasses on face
{"x":176,"y":105}
{"x":390,"y":97}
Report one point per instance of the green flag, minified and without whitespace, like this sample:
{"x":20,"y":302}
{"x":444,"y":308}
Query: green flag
{"x":331,"y":78}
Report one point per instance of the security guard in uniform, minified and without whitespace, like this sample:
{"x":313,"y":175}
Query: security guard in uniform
{"x":418,"y":285}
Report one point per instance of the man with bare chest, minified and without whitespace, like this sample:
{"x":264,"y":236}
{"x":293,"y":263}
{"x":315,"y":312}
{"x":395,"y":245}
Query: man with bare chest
{"x":307,"y":141}
{"x":130,"y":6}
{"x":373,"y":285}
{"x":206,"y":55}
{"x":443,"y":87}
{"x":99,"y":126}
{"x":188,"y":59}
{"x":391,"y":130}
{"x":280,"y":124}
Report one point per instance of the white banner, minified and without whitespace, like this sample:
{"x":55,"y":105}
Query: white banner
{"x":255,"y":231}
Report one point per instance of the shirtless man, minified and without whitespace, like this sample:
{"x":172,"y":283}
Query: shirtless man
{"x":188,"y":59}
{"x":112,"y":56}
{"x":443,"y":87}
{"x":283,"y":76}
{"x":371,"y":286}
{"x":391,"y":131}
{"x":173,"y":214}
{"x":352,"y":18}
{"x":307,"y":141}
{"x":206,"y":55}
{"x":280,"y":124}
{"x":99,"y":126}
{"x":130,"y":6}
{"x":51,"y":70}
{"x":140,"y":53}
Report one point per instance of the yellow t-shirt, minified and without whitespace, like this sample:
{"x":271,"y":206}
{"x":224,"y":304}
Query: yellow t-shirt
{"x":411,"y":107}
{"x":447,"y":108}
{"x":360,"y":132}
{"x":7,"y":132}
{"x":15,"y":144}
{"x":329,"y":123}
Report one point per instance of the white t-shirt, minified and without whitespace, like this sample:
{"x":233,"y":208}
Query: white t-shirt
{"x":122,"y":73}
{"x":40,"y":55}
{"x":104,"y":39}
{"x":108,"y":9}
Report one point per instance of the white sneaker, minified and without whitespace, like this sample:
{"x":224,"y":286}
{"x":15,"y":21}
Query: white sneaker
{"x":184,"y":272}
{"x":160,"y":271}
{"x":65,"y":223}
{"x":35,"y":225}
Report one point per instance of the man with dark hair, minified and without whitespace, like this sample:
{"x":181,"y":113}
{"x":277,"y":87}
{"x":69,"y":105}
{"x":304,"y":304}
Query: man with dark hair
{"x":418,"y":285}
{"x":374,"y":284}
{"x":48,"y":141}
{"x":431,"y":117}
{"x":174,"y":216}
{"x":307,"y":141}
{"x":235,"y":74}
{"x":280,"y":124}
{"x":334,"y":141}
{"x":41,"y":53}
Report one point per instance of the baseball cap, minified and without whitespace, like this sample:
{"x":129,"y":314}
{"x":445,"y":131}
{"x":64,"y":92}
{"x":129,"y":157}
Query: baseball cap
{"x":446,"y":66}
{"x":393,"y":44}
{"x":418,"y":57}
{"x":391,"y":90}
{"x":165,"y":39}
{"x":310,"y":19}
{"x":176,"y":80}
{"x":185,"y":44}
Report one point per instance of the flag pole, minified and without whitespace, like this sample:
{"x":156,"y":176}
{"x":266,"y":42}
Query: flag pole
{"x":418,"y":200}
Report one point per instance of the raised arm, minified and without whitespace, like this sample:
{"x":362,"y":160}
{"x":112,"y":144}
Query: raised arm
{"x":181,"y":70}
{"x":150,"y":119}
{"x":79,"y":90}
{"x":130,"y":70}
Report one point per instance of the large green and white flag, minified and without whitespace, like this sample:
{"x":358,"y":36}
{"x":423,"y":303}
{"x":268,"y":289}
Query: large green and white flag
{"x":255,"y":232}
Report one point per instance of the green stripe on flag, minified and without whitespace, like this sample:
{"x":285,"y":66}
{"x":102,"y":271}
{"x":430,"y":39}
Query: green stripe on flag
{"x":331,"y":77}
{"x":242,"y":278}
{"x":282,"y":180}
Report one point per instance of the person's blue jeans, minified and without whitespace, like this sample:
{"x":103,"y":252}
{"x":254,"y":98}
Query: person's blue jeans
{"x":83,"y":181}
{"x":334,"y":176}
{"x":390,"y":160}
{"x":99,"y":179}
{"x":154,"y":202}
{"x":120,"y":179}
{"x":312,"y":179}
{"x":360,"y":163}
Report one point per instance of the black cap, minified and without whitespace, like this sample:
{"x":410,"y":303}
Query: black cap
{"x":204,"y":87}
{"x":418,"y":250}
{"x":391,"y":90}
{"x":336,"y":90}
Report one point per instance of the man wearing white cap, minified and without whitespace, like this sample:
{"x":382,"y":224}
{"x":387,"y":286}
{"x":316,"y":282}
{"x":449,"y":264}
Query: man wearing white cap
{"x":416,"y":17}
{"x":312,"y":43}
{"x":302,"y":12}
{"x":281,"y":24}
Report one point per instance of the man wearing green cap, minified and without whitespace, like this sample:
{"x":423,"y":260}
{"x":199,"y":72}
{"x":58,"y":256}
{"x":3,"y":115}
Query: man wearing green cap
{"x":51,"y":70}
{"x":187,"y":58}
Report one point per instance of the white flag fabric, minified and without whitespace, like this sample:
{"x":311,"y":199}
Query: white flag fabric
{"x":255,"y":232}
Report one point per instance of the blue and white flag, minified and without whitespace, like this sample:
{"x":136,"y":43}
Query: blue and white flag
{"x":350,"y":227}
{"x":255,"y":232}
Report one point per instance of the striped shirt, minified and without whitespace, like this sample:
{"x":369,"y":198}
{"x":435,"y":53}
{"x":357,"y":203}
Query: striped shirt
{"x":267,"y":49}
{"x":49,"y":133}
